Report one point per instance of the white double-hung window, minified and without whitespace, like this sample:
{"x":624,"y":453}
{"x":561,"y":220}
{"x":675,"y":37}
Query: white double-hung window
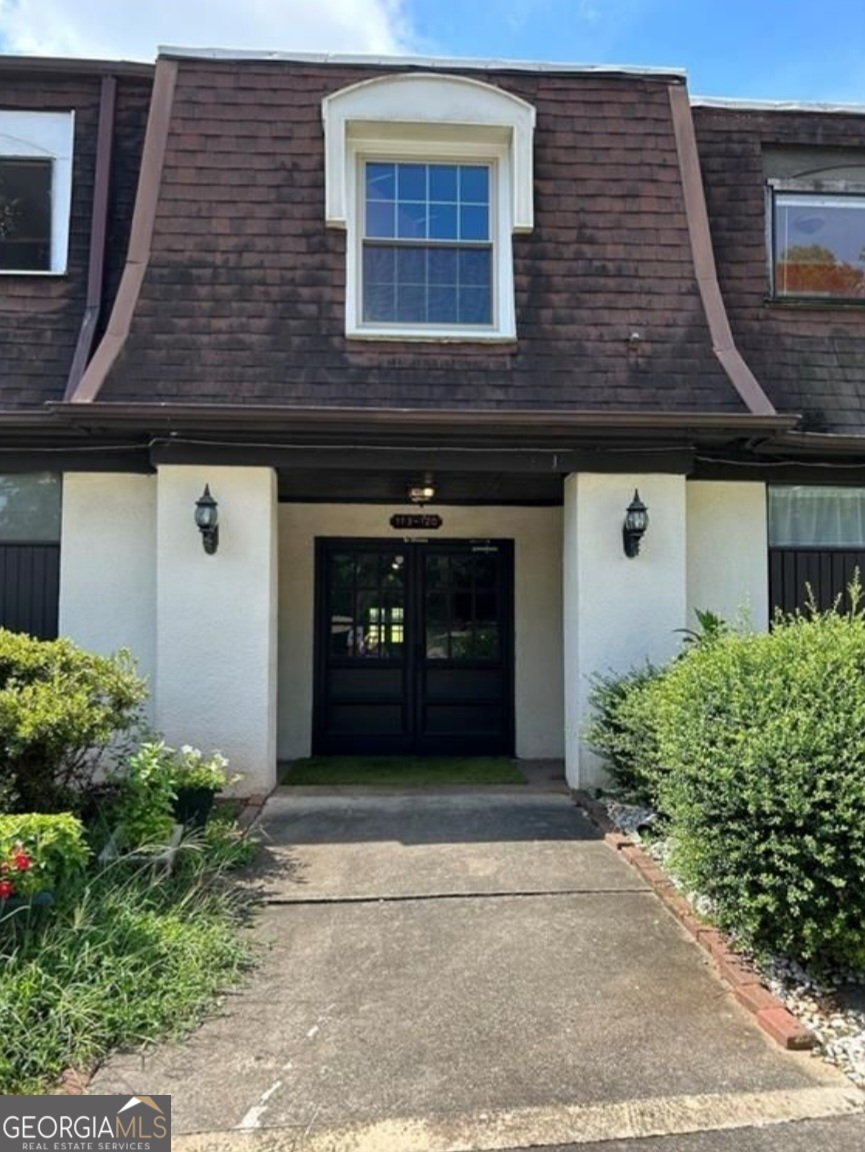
{"x":430,"y":175}
{"x":35,"y":190}
{"x":427,"y":246}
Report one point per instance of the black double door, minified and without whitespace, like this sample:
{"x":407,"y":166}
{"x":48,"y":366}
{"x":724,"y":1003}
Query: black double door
{"x":414,"y":648}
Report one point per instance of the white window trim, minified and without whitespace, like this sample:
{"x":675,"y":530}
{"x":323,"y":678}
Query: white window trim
{"x":503,"y":326}
{"x":40,"y":136}
{"x":429,"y":117}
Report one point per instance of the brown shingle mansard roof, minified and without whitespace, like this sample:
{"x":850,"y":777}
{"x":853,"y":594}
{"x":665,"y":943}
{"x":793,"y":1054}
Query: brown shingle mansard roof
{"x":810,"y":359}
{"x":41,"y":316}
{"x":239,"y":293}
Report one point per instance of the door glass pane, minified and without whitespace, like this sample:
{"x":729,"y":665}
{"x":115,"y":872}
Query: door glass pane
{"x":367,"y":569}
{"x":486,"y":569}
{"x":486,"y":625}
{"x":341,"y":623}
{"x":342,"y":570}
{"x":462,"y":642}
{"x":437,"y":647}
{"x":436,"y":572}
{"x":461,"y":571}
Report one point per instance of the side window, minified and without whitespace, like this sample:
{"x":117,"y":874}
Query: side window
{"x":819,"y":245}
{"x":35,"y":190}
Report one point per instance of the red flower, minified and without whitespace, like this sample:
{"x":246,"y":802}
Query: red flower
{"x":21,"y":861}
{"x":7,"y":889}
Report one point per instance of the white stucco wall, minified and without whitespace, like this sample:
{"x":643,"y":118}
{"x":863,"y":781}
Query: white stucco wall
{"x":108,"y":564}
{"x":537,"y":535}
{"x":216,"y":618}
{"x":728,"y":550}
{"x":618,"y":611}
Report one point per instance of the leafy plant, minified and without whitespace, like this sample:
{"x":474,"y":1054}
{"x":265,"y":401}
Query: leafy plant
{"x":60,"y":708}
{"x":709,"y":627}
{"x":762,"y":738}
{"x":39,"y":853}
{"x":192,"y":769}
{"x":147,"y":790}
{"x":622,"y":730}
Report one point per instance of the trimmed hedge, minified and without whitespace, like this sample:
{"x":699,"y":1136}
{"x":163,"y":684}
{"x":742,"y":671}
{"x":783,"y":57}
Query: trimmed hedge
{"x":752,"y":746}
{"x":763,"y":739}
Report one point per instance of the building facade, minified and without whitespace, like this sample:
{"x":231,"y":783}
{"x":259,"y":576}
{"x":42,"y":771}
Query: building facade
{"x":421,"y":330}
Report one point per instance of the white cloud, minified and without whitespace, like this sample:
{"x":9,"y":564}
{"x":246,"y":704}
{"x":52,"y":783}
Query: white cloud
{"x":132,"y":29}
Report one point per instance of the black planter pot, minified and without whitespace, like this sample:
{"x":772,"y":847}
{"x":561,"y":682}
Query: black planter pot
{"x":193,"y":805}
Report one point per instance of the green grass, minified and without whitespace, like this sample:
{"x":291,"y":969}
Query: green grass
{"x":403,"y":771}
{"x":122,"y":959}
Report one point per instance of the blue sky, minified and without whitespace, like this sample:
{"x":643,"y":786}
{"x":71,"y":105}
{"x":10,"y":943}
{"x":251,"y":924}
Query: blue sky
{"x":772,"y":49}
{"x":759,"y":49}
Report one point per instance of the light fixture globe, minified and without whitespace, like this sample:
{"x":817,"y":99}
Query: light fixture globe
{"x":635,"y":525}
{"x":423,"y":492}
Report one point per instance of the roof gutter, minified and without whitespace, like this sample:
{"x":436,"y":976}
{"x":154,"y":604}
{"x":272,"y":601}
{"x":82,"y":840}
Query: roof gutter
{"x":480,"y":423}
{"x":98,"y":230}
{"x":140,"y":239}
{"x":723,"y":345}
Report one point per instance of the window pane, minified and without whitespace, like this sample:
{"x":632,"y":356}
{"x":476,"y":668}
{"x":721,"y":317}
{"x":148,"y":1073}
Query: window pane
{"x":381,"y":181}
{"x":411,"y":181}
{"x":443,"y":182}
{"x":411,"y":265}
{"x":25,"y":215}
{"x":474,"y":306}
{"x":443,"y":266}
{"x":801,"y":516}
{"x":30,"y":507}
{"x":380,"y":218}
{"x":443,"y":221}
{"x":442,"y":308}
{"x":411,"y":304}
{"x":475,"y":267}
{"x":379,"y":264}
{"x":474,"y":184}
{"x":379,"y":302}
{"x":820,"y":245}
{"x":474,"y":223}
{"x":411,"y":221}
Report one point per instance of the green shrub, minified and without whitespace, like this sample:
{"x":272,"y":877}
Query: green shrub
{"x":622,"y":730}
{"x":60,"y":707}
{"x":39,"y":853}
{"x":763,"y":738}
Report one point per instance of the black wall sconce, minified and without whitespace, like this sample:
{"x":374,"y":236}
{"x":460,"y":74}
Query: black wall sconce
{"x":207,"y":520}
{"x":635,"y":525}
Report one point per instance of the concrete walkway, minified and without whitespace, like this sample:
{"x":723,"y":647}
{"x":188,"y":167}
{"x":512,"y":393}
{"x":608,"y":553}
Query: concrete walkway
{"x":469,"y":970}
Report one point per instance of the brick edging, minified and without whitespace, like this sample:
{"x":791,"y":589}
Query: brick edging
{"x":251,"y":810}
{"x":741,"y":976}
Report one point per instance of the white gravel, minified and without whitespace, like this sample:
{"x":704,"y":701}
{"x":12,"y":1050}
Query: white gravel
{"x":823,"y":1005}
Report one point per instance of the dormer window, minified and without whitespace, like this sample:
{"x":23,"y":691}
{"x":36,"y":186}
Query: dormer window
{"x":430,"y":175}
{"x":35,"y":191}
